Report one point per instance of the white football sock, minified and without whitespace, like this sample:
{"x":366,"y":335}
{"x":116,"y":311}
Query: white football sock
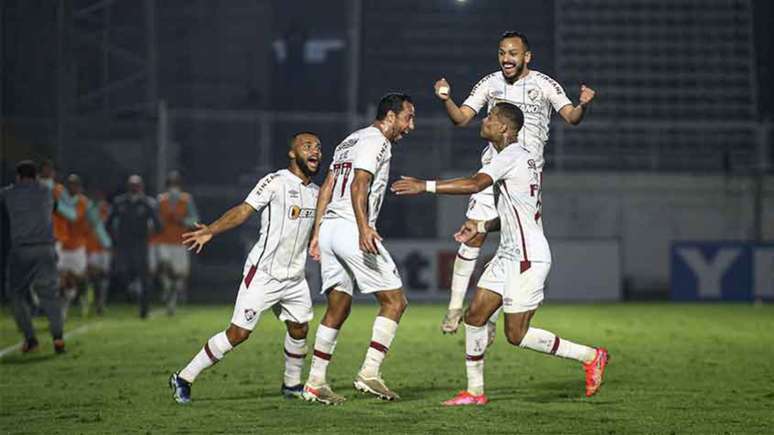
{"x":324,"y":344}
{"x":381,"y":339}
{"x":546,"y":342}
{"x":475,"y":346}
{"x":212,"y":352}
{"x":496,"y":315}
{"x":464,"y":265}
{"x":295,"y":352}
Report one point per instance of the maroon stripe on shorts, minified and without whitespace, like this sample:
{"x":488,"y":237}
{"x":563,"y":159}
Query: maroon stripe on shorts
{"x":295,"y":355}
{"x":322,"y":355}
{"x":474,"y":357}
{"x":379,"y":346}
{"x":209,"y":353}
{"x":556,"y":345}
{"x":249,"y":275}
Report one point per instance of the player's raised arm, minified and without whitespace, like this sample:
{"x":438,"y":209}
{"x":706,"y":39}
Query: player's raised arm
{"x":457,"y":186}
{"x":459,"y":115}
{"x":323,"y":199}
{"x":232,"y":218}
{"x":574,"y":114}
{"x":360,"y":187}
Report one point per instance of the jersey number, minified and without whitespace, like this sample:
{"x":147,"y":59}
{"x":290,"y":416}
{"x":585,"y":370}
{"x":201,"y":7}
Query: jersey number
{"x":343,"y":170}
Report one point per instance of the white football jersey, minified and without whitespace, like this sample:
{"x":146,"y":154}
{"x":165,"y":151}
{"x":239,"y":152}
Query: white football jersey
{"x":365,"y":149}
{"x":536,"y":94}
{"x":517,"y":186}
{"x":287,"y":208}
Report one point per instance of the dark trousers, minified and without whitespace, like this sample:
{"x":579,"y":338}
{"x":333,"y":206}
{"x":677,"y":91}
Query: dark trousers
{"x":131,"y":263}
{"x":33,"y":269}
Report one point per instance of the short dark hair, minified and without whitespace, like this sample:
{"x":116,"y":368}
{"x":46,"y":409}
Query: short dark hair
{"x":514,"y":34}
{"x":48,"y":163}
{"x":391,"y":102}
{"x":295,"y":136}
{"x":511,"y":113}
{"x":27,"y":169}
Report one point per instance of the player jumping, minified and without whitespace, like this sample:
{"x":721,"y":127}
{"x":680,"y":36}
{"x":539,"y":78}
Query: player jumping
{"x":537,"y":95}
{"x":274,"y":270}
{"x":350,"y":249}
{"x":514,"y":279}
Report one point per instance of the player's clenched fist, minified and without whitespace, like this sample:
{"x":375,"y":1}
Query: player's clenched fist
{"x":408,"y":186}
{"x":442,"y":89}
{"x":586,"y":95}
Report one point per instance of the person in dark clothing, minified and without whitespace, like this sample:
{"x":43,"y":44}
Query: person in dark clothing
{"x":132,"y":220}
{"x":26,"y":206}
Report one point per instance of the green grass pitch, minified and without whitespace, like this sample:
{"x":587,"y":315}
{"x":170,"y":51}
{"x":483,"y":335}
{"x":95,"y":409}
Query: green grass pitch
{"x":674,"y":369}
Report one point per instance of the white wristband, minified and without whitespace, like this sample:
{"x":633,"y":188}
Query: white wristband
{"x":481,"y":226}
{"x":430,"y":186}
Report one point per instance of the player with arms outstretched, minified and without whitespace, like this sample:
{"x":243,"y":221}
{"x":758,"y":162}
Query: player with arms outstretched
{"x":537,"y":95}
{"x":274,"y":270}
{"x":350,"y":249}
{"x":514,"y":279}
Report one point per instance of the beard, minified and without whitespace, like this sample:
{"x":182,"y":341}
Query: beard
{"x":304,"y":165}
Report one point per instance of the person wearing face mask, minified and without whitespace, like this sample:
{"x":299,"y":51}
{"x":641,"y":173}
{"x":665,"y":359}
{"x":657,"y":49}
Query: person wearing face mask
{"x":537,"y":96}
{"x":132,"y":220}
{"x":169,"y":258}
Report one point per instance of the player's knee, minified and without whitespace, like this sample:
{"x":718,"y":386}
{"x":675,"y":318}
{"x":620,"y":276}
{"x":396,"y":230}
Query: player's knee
{"x":298,"y":331}
{"x":474,"y":318}
{"x":237,"y":335}
{"x":515,"y":335}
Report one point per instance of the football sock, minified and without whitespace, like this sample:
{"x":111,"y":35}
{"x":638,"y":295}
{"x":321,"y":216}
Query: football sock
{"x":295,"y":352}
{"x":496,"y":315}
{"x":464,"y":265}
{"x":475,"y":346}
{"x":546,"y":342}
{"x":381,"y":339}
{"x":212,"y":352}
{"x":324,"y":344}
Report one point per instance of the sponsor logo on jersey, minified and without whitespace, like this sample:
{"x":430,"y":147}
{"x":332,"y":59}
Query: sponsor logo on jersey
{"x":534,"y":94}
{"x":293,"y":193}
{"x":494,"y":93}
{"x":528,"y":108}
{"x":296,"y":212}
{"x":249,"y":314}
{"x":531,"y":164}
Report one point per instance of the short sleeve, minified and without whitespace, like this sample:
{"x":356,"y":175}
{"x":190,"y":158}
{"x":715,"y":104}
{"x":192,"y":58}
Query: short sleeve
{"x":263,"y":192}
{"x":555,"y":93}
{"x":478,"y":95}
{"x":500,"y":165}
{"x":367,"y":155}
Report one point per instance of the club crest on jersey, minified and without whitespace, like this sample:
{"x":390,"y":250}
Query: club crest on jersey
{"x":296,"y":212}
{"x":249,"y":314}
{"x":533,"y":94}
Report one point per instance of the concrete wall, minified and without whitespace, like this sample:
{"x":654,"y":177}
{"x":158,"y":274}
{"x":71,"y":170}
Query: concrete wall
{"x":645,"y":211}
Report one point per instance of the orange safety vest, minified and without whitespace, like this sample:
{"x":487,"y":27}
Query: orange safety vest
{"x":60,"y":224}
{"x":172,"y":216}
{"x":92,"y":241}
{"x":78,"y":231}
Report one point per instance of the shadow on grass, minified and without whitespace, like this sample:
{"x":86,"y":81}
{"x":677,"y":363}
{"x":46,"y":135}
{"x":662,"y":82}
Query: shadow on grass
{"x":20,"y":359}
{"x":547,"y":392}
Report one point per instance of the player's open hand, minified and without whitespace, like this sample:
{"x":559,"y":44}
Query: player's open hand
{"x":442,"y":89}
{"x":586,"y":95}
{"x":368,"y":240}
{"x":408,"y":186}
{"x":197,"y":239}
{"x":467,"y":231}
{"x":314,"y":248}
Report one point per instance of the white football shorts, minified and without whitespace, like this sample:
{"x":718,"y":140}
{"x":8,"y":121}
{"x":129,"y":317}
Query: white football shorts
{"x":174,"y":256}
{"x":73,"y":261}
{"x":259,"y":292}
{"x":521,"y":291}
{"x":99,"y":260}
{"x":345,"y":267}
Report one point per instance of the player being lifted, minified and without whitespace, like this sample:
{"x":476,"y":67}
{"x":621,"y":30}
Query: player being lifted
{"x":514,"y":278}
{"x":274,"y":270}
{"x":537,"y":95}
{"x":350,"y":249}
